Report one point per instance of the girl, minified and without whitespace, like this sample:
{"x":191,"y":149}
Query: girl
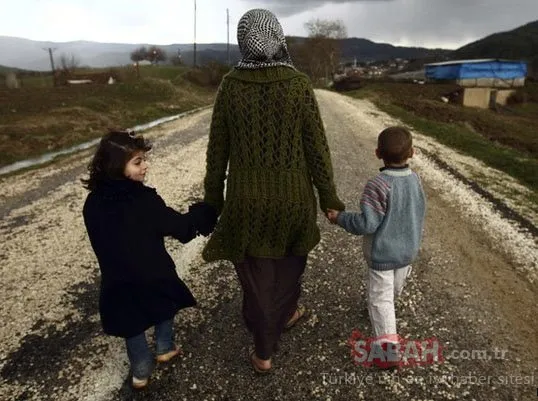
{"x":126,"y":222}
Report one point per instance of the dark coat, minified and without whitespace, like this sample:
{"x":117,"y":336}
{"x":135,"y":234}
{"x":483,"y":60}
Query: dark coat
{"x":127,"y":222}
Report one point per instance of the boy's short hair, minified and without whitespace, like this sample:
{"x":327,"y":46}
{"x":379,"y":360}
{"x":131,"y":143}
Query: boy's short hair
{"x":394,"y":144}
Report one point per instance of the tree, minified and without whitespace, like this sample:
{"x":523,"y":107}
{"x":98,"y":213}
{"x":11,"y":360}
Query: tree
{"x":139,"y":54}
{"x":326,"y":29}
{"x":69,"y":63}
{"x":533,"y":68}
{"x":175,"y":58}
{"x":156,"y":54}
{"x":319,"y":54}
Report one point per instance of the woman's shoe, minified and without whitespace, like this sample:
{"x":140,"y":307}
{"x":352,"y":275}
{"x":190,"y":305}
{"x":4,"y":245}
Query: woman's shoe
{"x":299,"y":314}
{"x":255,"y":366}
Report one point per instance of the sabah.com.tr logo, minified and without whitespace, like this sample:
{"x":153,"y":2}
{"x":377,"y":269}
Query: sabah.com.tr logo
{"x":393,"y":351}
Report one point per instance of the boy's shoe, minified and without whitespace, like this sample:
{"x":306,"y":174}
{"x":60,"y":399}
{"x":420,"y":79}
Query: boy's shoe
{"x":139,"y":383}
{"x":392,"y":362}
{"x":169,"y":355}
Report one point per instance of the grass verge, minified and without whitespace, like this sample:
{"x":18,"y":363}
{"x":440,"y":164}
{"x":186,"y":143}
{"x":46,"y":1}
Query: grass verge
{"x":503,"y":158}
{"x":505,"y":141}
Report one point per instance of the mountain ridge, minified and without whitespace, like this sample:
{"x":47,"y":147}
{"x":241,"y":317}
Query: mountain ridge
{"x":28,"y":54}
{"x":521,"y":42}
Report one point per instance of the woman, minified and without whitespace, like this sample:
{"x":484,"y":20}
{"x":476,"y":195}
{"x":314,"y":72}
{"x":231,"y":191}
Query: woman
{"x":267,"y":130}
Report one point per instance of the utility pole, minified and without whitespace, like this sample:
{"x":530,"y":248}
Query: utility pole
{"x":50,"y":50}
{"x":228,"y":33}
{"x":194,"y":62}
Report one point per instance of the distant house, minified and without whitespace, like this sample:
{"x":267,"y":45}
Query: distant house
{"x":484,"y":72}
{"x":486,"y":82}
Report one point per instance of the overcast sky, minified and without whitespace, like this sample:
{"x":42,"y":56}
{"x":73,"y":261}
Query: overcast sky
{"x":428,"y":23}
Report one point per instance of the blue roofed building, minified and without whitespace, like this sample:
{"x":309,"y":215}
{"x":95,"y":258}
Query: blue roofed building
{"x":486,"y":82}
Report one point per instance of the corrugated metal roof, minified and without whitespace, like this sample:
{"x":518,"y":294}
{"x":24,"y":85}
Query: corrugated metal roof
{"x":477,"y":69}
{"x":484,"y":60}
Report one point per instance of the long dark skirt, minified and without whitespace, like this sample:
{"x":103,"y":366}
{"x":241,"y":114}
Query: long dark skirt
{"x":271,"y":290}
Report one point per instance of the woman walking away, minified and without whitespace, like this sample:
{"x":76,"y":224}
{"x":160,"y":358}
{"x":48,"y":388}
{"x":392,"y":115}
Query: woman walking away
{"x":127,"y":222}
{"x":267,"y":131}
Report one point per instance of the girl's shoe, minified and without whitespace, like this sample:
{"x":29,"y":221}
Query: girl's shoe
{"x":139,"y":383}
{"x":169,"y":355}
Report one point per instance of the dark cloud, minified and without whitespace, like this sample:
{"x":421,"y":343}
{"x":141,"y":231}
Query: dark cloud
{"x":285,"y":8}
{"x":414,"y":22}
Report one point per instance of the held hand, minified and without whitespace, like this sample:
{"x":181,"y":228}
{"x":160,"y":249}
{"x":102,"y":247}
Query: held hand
{"x":205,"y":217}
{"x":332,"y":215}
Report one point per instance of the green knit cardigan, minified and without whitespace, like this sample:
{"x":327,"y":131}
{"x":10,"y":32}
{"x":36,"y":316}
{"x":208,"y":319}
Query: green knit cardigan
{"x":267,"y":132}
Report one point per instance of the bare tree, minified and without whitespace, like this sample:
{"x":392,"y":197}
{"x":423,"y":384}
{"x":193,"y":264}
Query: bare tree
{"x":175,"y":58}
{"x":327,"y":29}
{"x":69,"y":63}
{"x":319,"y":54}
{"x":137,"y":55}
{"x":300,"y":54}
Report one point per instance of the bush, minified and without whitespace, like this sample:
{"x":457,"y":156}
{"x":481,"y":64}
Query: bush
{"x":158,"y":87}
{"x":531,"y":89}
{"x":208,"y":75}
{"x":126,"y":74}
{"x":517,"y":97}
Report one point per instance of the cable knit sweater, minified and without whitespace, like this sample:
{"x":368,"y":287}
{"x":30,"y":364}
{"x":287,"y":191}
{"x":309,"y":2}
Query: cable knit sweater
{"x":267,"y":132}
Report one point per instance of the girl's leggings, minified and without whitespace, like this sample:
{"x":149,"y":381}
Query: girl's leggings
{"x":140,"y":356}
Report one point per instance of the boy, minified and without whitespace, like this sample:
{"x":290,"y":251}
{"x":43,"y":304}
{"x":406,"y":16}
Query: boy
{"x":391,"y":220}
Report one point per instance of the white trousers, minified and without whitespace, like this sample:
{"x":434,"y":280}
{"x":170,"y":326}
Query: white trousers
{"x":383,"y":288}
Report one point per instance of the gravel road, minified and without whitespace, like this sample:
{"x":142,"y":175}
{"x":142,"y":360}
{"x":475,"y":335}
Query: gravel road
{"x":473,"y":288}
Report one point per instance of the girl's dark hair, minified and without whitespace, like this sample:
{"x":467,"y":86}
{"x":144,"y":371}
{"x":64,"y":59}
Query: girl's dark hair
{"x":115,"y":149}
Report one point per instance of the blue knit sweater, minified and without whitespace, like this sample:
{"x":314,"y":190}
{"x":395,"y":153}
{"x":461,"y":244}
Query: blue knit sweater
{"x":392,"y":214}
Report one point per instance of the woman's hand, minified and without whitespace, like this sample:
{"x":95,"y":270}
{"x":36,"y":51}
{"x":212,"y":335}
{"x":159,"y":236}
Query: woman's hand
{"x":332,"y":215}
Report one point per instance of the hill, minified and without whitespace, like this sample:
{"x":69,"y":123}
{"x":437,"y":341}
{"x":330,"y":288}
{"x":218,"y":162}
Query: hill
{"x":521,"y":42}
{"x":29,"y":54}
{"x":366,"y":50}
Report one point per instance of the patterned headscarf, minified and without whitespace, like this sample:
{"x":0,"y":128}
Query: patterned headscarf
{"x":261,"y":41}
